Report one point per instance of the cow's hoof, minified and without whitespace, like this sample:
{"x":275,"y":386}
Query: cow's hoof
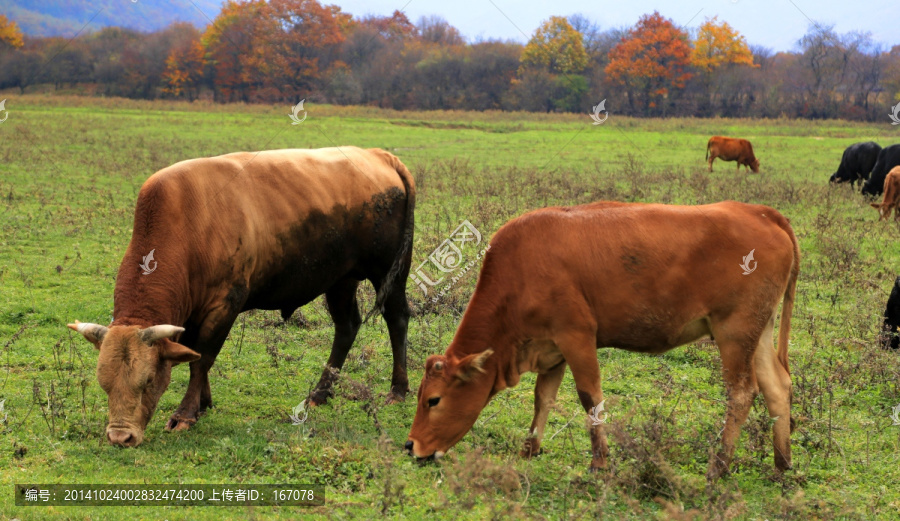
{"x":395,"y":397}
{"x":598,"y":464}
{"x":717,"y":469}
{"x":317,"y":398}
{"x":179,"y":424}
{"x":532,"y":448}
{"x":527,"y":453}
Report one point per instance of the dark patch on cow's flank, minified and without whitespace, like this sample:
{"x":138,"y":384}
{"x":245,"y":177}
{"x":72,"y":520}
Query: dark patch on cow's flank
{"x":236,"y":297}
{"x":360,"y":243}
{"x":632,"y":262}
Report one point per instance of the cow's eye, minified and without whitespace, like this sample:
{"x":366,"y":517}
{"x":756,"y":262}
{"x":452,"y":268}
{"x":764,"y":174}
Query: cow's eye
{"x":434,"y":401}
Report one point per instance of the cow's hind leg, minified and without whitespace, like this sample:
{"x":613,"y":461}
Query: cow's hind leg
{"x":775,"y":384}
{"x":712,"y":157}
{"x":545,"y":391}
{"x":396,"y":315}
{"x":344,"y":310}
{"x":198,"y":396}
{"x":737,"y":351}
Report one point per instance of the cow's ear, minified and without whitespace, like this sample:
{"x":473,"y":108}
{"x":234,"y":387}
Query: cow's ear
{"x":472,"y":365}
{"x":177,"y":353}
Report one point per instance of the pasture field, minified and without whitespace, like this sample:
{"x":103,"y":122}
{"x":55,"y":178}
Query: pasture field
{"x":70,"y":169}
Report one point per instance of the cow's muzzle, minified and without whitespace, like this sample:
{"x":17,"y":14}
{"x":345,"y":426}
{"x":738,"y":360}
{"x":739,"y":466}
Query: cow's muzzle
{"x":124,"y":437}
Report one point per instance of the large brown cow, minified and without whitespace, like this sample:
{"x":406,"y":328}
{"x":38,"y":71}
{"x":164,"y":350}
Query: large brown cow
{"x":267,"y":230}
{"x":731,"y":149}
{"x":559,"y":283}
{"x":891,"y":200}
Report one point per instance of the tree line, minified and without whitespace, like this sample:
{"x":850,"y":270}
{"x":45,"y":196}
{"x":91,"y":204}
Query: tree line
{"x":266,"y":51}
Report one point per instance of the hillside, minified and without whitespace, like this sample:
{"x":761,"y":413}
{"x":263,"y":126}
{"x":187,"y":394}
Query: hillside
{"x":68,"y":17}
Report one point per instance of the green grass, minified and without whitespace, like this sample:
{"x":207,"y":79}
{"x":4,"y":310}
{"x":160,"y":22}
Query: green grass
{"x":70,"y":169}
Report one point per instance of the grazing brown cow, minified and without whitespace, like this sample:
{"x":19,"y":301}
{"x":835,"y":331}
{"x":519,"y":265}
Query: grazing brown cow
{"x":891,"y":200}
{"x":272,"y":230}
{"x":731,"y":149}
{"x":559,"y":283}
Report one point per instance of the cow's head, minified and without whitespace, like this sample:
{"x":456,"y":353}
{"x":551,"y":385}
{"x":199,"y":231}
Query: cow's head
{"x":134,"y":368}
{"x":883,"y":209}
{"x":452,"y":394}
{"x":754,"y":165}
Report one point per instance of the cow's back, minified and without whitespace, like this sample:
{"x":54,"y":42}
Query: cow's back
{"x":275,"y":228}
{"x":638,"y":266}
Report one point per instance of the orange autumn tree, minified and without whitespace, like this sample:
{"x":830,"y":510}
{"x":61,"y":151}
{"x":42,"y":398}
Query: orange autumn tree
{"x":718,"y":46}
{"x":184,"y":69}
{"x":298,"y":42}
{"x":10,"y":35}
{"x":229,"y":42}
{"x":651,"y":63}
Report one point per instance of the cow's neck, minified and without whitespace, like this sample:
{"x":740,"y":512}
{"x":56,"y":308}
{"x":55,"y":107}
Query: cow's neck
{"x":160,"y":297}
{"x":487,"y":325}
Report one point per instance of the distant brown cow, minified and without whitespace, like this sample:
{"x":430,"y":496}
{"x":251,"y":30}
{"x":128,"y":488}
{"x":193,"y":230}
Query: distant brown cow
{"x":559,"y":283}
{"x":269,"y":230}
{"x":731,"y":149}
{"x":891,"y":200}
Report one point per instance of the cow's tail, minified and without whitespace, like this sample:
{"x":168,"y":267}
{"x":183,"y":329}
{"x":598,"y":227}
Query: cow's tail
{"x":708,"y":143}
{"x":787,"y":306}
{"x":401,"y":264}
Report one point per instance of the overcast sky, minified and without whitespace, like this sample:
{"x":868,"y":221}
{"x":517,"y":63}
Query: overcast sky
{"x":776,"y":24}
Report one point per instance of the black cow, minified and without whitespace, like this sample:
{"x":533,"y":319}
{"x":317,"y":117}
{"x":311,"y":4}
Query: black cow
{"x":888,"y":158}
{"x":889,"y":336}
{"x":856,"y":163}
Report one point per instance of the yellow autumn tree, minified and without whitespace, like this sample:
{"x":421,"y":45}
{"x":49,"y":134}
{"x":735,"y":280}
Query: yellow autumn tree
{"x":718,"y":44}
{"x":10,"y":35}
{"x":557,"y":47}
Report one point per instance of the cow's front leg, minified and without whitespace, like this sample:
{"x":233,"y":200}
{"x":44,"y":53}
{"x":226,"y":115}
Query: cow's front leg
{"x":198,"y":397}
{"x":580,"y":352}
{"x":545,"y":391}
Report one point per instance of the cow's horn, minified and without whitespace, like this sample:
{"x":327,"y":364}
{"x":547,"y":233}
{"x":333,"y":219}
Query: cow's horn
{"x":92,"y":332}
{"x":154,"y":333}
